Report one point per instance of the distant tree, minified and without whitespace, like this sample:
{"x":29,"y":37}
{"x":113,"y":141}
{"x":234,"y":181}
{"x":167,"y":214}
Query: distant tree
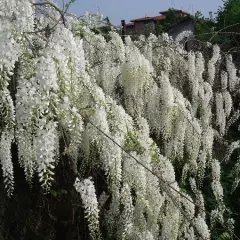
{"x":229,"y":14}
{"x":204,"y":26}
{"x":106,"y":28}
{"x":166,"y":24}
{"x":228,"y":27}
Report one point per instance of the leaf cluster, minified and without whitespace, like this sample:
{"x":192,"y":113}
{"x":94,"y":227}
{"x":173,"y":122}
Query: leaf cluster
{"x":166,"y":24}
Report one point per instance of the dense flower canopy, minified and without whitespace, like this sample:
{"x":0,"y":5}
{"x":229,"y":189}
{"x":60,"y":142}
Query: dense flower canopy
{"x":151,"y":110}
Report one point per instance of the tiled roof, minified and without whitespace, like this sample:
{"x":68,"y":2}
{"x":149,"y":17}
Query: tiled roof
{"x":177,"y":11}
{"x":155,"y":18}
{"x":141,"y":19}
{"x":159,"y":18}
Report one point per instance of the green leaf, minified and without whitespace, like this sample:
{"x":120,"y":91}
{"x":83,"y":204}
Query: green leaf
{"x":53,"y":193}
{"x":62,"y":192}
{"x":225,"y":236}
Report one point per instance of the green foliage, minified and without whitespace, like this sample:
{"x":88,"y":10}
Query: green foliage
{"x":229,"y":14}
{"x":225,"y":236}
{"x":148,"y":28}
{"x":104,"y":29}
{"x":68,"y":4}
{"x":224,"y":29}
{"x":166,"y":24}
{"x":159,"y":28}
{"x":155,"y":154}
{"x":228,"y":24}
{"x":203,"y":26}
{"x":132,"y":144}
{"x":58,"y":193}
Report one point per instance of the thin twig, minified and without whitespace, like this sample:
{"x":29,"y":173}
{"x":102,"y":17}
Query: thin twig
{"x":54,"y":6}
{"x":223,"y":29}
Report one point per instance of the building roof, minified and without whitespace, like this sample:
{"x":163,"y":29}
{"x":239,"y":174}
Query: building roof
{"x":130,"y":24}
{"x":142,"y":19}
{"x":155,"y":18}
{"x":176,"y":10}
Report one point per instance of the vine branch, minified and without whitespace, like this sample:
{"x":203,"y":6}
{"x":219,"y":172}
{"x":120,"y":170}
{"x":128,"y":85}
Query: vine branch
{"x":54,"y":6}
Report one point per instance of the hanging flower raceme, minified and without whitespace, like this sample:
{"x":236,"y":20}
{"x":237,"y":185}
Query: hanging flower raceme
{"x":7,"y":124}
{"x":6,"y":160}
{"x":87,"y":191}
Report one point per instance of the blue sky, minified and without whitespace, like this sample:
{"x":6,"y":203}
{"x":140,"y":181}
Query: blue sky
{"x":131,"y":9}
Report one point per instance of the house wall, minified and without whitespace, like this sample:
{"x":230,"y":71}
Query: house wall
{"x":184,"y":26}
{"x":140,"y":27}
{"x":130,"y":29}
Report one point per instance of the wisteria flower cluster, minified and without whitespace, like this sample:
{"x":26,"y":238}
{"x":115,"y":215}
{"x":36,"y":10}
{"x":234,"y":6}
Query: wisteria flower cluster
{"x":146,"y":113}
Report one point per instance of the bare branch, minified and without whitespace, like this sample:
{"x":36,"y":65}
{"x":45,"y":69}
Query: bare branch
{"x":223,"y":29}
{"x":54,"y":6}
